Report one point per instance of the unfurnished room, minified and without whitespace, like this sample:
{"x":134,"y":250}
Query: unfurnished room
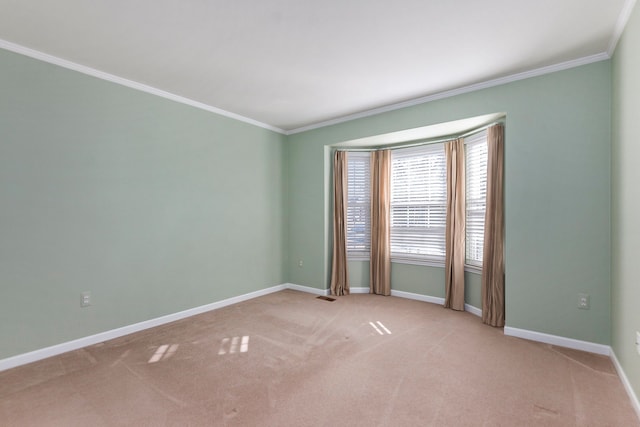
{"x":338,"y":213}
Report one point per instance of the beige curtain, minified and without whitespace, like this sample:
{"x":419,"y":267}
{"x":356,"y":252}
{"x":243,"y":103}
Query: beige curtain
{"x":493,"y":256}
{"x":339,"y":268}
{"x":455,"y":226}
{"x":380,"y":265}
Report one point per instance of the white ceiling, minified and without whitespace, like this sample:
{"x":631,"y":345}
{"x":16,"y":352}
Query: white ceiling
{"x":293,"y":64}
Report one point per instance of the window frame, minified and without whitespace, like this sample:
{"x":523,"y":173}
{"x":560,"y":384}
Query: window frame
{"x":478,"y":139}
{"x":435,"y":150}
{"x":415,"y":259}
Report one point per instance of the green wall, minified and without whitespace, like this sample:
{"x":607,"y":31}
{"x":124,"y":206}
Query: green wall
{"x":157,"y":207}
{"x":417,"y":279}
{"x":625,"y":228}
{"x":153,"y":206}
{"x":557,"y":198}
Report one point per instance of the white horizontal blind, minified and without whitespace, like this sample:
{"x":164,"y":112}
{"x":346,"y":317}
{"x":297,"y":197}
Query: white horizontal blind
{"x":476,"y":195}
{"x":358,"y":205}
{"x":418,"y":203}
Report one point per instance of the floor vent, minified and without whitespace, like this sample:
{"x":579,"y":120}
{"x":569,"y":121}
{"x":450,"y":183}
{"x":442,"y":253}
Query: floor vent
{"x":326,"y":298}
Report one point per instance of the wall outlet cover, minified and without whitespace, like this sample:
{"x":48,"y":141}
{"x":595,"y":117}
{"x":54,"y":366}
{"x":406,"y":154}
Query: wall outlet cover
{"x":85,"y":299}
{"x":584,"y":301}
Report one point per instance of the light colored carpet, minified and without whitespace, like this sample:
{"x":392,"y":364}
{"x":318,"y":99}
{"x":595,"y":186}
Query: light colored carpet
{"x":290,"y":359}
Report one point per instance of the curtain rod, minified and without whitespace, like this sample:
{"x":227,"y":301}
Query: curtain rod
{"x":427,"y":141}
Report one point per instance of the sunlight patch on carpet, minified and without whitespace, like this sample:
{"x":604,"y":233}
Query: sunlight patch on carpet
{"x":230,"y":345}
{"x":379,"y":328}
{"x":164,"y":352}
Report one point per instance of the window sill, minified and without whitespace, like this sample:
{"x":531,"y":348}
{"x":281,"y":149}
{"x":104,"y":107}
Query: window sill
{"x":475,"y":269}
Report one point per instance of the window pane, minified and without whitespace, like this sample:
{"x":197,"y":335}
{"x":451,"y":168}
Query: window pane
{"x":476,"y":194}
{"x":418,"y":202}
{"x":358,"y":205}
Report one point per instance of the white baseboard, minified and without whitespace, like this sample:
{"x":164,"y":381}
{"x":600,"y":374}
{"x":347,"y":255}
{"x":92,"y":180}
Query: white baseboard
{"x":418,"y":297}
{"x":307,"y":289}
{"x":559,"y":341}
{"x":473,"y":310}
{"x":625,"y":382}
{"x":54,"y":350}
{"x":434,"y":300}
{"x":584,"y":346}
{"x":409,"y":295}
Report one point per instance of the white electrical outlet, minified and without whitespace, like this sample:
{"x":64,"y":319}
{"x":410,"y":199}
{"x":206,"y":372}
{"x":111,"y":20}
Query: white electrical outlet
{"x":638,"y":341}
{"x":299,"y":263}
{"x":85,"y":299}
{"x":583,"y":301}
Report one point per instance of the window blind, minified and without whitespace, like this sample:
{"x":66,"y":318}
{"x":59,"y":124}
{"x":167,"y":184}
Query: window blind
{"x":476,"y":195}
{"x":358,"y":205}
{"x":418,"y":203}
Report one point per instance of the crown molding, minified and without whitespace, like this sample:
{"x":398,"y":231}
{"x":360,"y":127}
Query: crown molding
{"x":32,"y":53}
{"x":458,"y":91}
{"x":22,"y":50}
{"x":623,"y":18}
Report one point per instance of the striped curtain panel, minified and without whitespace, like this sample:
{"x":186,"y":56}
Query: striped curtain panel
{"x":493,"y":312}
{"x":380,"y":264}
{"x":455,"y":234}
{"x":339,"y":266}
